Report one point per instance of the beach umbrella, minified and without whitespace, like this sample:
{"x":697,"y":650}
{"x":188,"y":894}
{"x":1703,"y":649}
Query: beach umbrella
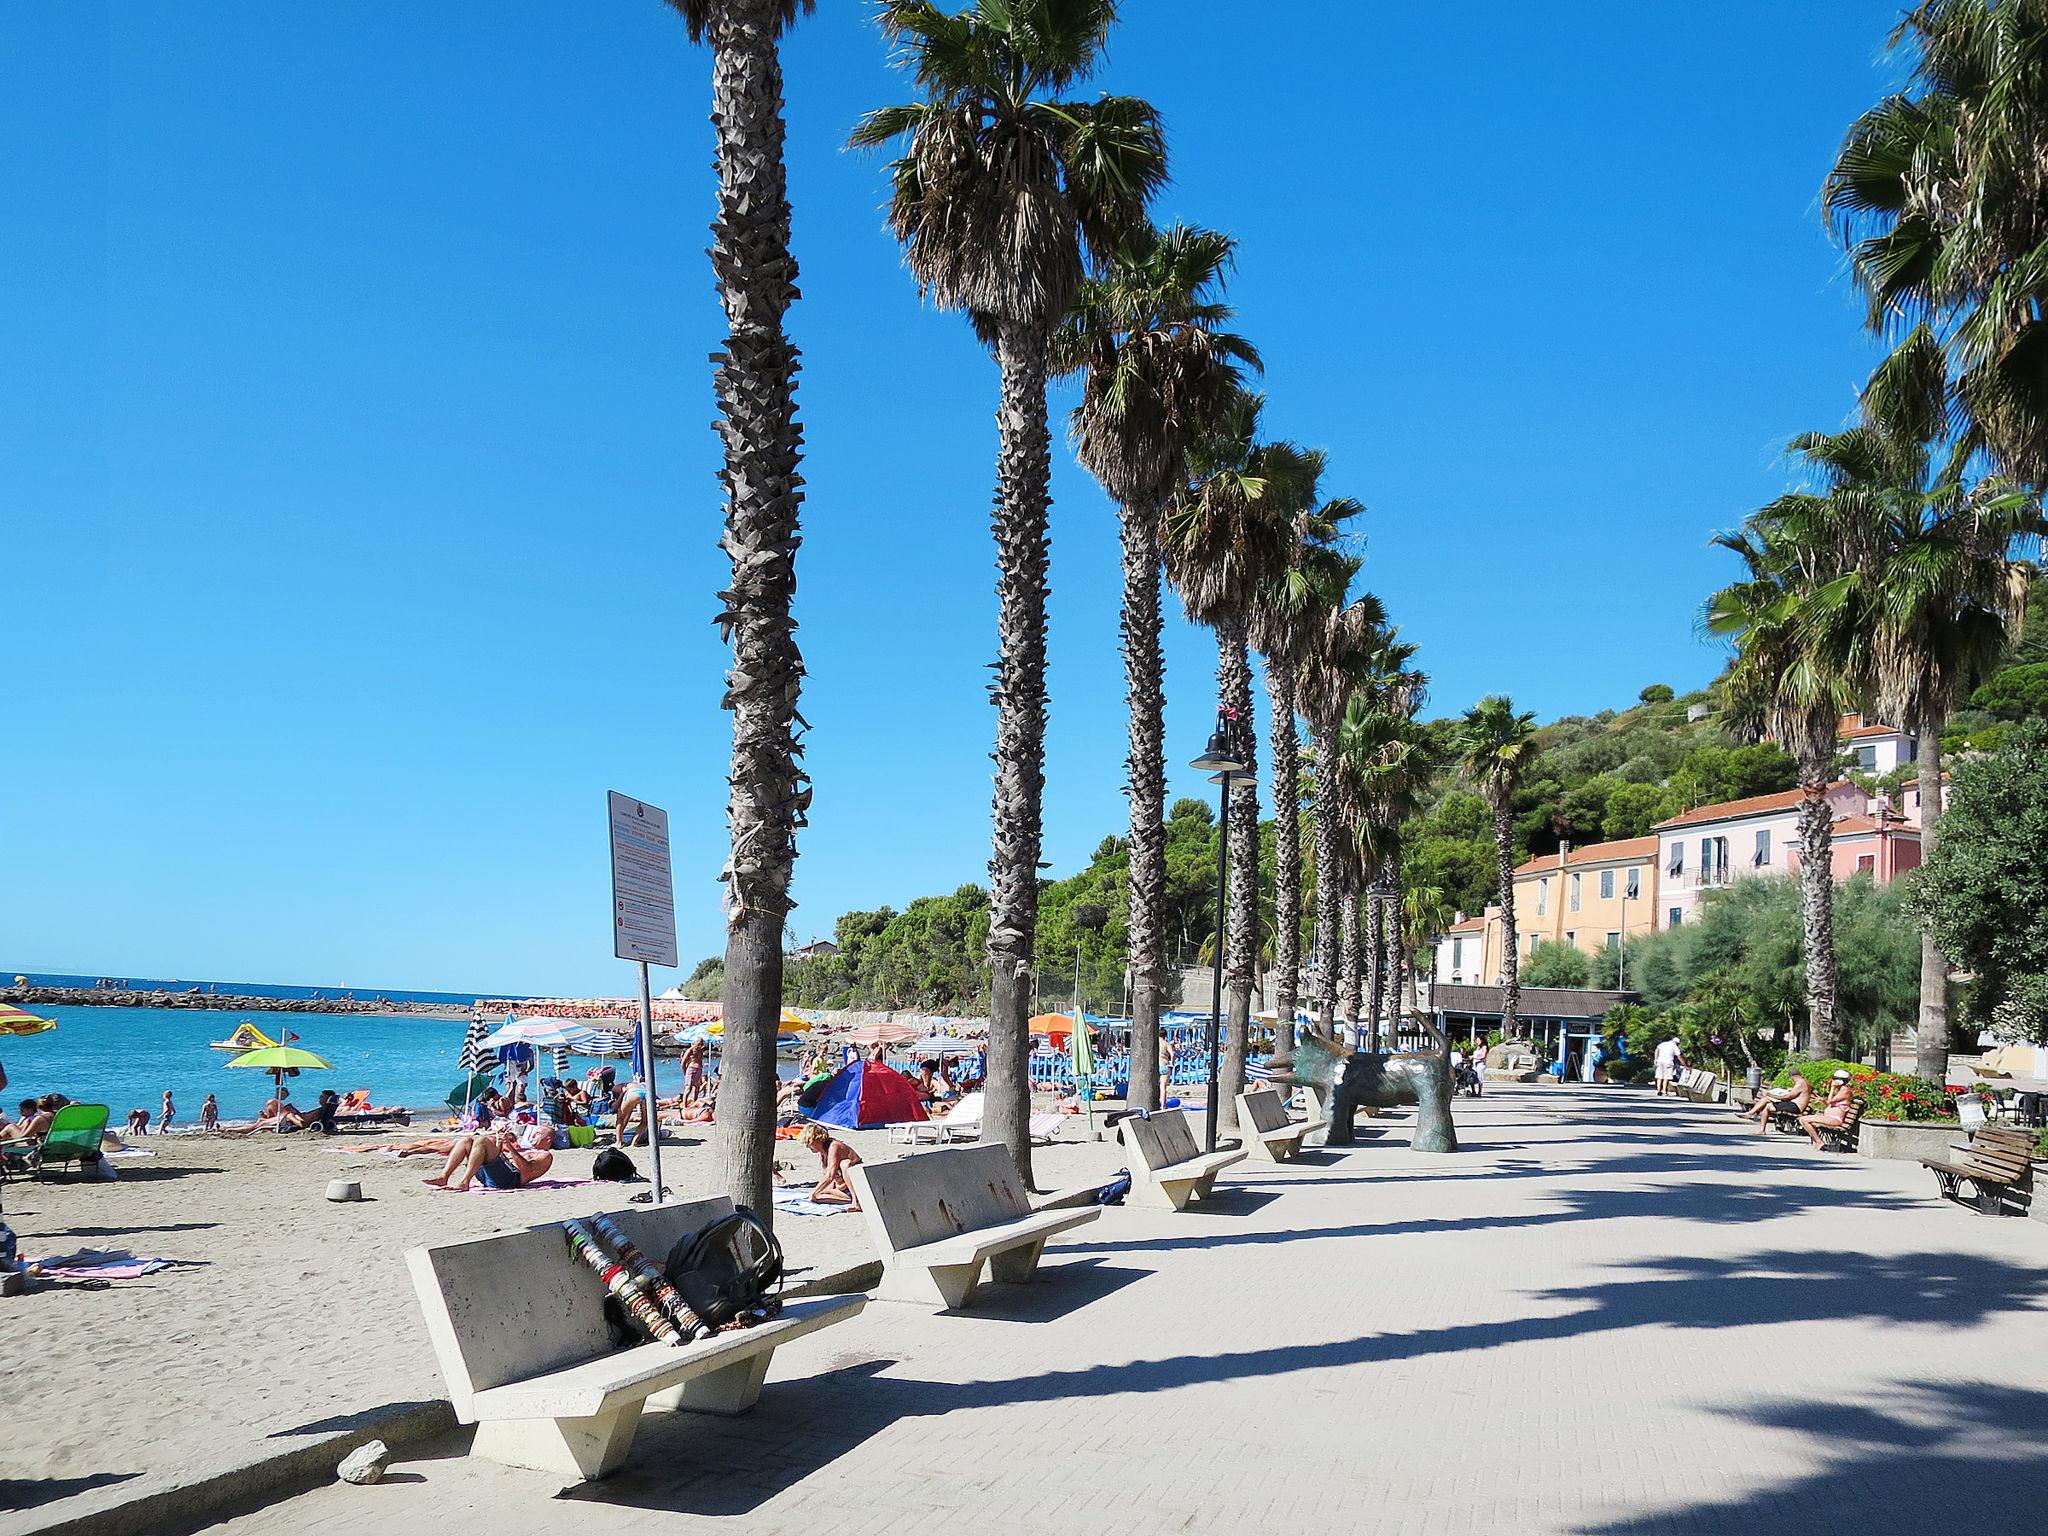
{"x":280,"y":1059}
{"x":1082,"y":1049}
{"x":536,"y":1032}
{"x":883,"y":1032}
{"x":477,"y":1082}
{"x":793,"y":1024}
{"x":18,"y":1021}
{"x":944,"y":1045}
{"x":472,"y":1058}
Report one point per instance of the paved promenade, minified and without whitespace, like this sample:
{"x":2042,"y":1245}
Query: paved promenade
{"x":1609,"y":1314}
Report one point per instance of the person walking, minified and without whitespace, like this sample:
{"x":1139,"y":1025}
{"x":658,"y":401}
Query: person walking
{"x":1670,"y":1061}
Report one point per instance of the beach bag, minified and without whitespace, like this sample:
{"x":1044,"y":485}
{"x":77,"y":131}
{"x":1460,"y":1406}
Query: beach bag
{"x":1114,"y":1191}
{"x":613,"y":1166}
{"x":728,"y":1270}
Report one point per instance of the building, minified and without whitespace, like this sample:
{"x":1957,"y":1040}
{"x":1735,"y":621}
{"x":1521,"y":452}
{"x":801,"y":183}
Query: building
{"x":1876,"y":748}
{"x":817,"y":949}
{"x":1716,"y":845}
{"x":1587,"y":897}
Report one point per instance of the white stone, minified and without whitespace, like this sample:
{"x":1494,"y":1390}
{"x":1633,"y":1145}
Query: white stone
{"x":366,"y":1464}
{"x":344,"y":1189}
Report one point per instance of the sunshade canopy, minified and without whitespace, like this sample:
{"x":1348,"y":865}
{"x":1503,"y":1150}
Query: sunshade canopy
{"x":281,"y":1058}
{"x":19,"y":1021}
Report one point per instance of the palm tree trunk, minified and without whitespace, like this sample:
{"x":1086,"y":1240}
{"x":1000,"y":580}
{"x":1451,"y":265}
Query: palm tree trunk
{"x":1023,"y":468}
{"x":1328,"y":881}
{"x":1371,"y":967}
{"x":1286,"y":853}
{"x":1404,"y":988}
{"x":755,"y":383}
{"x":1145,"y":770}
{"x":1395,"y":963}
{"x":1348,"y":946}
{"x":1817,"y":903}
{"x":1240,"y":952}
{"x":1930,"y":1054}
{"x":1510,"y":961}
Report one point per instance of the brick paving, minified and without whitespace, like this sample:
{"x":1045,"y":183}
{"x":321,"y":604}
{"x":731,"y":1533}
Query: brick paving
{"x":1610,"y":1314}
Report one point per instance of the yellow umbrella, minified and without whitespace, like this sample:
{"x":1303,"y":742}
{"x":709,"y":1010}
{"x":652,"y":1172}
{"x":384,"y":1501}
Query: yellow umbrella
{"x":17,"y":1021}
{"x":280,"y":1059}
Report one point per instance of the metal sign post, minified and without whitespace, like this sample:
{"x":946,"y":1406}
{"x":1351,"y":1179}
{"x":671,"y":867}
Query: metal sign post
{"x":643,"y":927}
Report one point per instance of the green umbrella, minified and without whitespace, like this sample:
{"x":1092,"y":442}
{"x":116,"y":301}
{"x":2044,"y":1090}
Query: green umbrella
{"x":476,"y":1084}
{"x":1081,"y":1047}
{"x":280,"y":1059}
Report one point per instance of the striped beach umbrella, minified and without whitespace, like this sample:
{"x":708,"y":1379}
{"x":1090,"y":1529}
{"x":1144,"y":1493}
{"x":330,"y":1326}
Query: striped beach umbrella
{"x":19,"y":1021}
{"x":472,"y":1058}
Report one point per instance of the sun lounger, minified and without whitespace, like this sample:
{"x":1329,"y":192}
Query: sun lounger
{"x":1267,"y":1131}
{"x":1046,"y":1127}
{"x":517,"y":1326}
{"x":1166,"y":1169}
{"x":937,"y":1217}
{"x":960,"y":1123}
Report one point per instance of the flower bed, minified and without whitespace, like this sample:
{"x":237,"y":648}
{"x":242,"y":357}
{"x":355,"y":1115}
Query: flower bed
{"x":1892,"y":1096}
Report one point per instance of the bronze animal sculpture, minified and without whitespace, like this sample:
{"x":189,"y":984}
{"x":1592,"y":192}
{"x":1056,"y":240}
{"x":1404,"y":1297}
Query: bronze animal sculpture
{"x":1349,"y":1080}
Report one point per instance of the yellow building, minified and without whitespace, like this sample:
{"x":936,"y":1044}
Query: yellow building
{"x":1587,"y":897}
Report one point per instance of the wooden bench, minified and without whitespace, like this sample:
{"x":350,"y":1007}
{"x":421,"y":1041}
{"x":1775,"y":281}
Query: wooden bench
{"x":1166,"y":1170}
{"x":1839,"y":1138}
{"x":937,"y":1217}
{"x":1996,"y":1165}
{"x":1267,"y":1131}
{"x":517,"y":1324}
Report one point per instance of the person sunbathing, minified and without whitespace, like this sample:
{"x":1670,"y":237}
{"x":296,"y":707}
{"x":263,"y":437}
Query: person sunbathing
{"x":1798,"y":1096}
{"x":438,"y":1146}
{"x":836,"y":1156}
{"x":494,"y":1159}
{"x":1833,"y":1114}
{"x":34,"y":1121}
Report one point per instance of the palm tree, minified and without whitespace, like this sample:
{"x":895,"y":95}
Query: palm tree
{"x":1227,"y":536}
{"x":1495,"y":746}
{"x":1160,"y":370}
{"x":1938,"y":602}
{"x":1940,"y":192}
{"x":1384,"y":769}
{"x":1803,"y":649}
{"x":1332,"y":662}
{"x":1286,"y":623}
{"x":999,"y":190}
{"x":755,"y":381}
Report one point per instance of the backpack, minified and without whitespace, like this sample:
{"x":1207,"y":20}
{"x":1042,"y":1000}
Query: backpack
{"x":613,"y":1166}
{"x":728,"y":1270}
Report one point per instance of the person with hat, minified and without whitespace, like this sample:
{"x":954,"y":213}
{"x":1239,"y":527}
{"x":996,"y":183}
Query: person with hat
{"x":1833,"y":1113}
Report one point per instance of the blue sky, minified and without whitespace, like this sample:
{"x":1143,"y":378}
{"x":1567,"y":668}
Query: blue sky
{"x":358,"y":482}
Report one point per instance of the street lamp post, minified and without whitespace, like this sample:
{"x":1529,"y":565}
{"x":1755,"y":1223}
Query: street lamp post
{"x":1221,"y":759}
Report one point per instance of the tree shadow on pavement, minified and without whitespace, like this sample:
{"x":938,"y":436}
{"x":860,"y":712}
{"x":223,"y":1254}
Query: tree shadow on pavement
{"x":1938,"y":1457}
{"x":684,"y":1463}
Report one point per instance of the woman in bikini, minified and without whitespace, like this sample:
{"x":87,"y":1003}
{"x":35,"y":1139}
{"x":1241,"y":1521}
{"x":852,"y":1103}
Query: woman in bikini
{"x":834,"y":1188}
{"x":1834,"y":1113}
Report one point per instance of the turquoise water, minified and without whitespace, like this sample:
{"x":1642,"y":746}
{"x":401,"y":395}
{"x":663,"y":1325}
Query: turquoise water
{"x":126,"y":1057}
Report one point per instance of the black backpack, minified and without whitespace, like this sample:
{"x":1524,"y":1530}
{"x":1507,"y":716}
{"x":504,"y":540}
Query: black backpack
{"x":728,"y":1270}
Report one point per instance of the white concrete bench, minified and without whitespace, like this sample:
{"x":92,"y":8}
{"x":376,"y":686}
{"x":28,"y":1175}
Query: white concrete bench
{"x":1166,"y":1170}
{"x":1266,"y":1129}
{"x":938,"y":1217}
{"x":1699,"y":1085}
{"x":517,"y":1325}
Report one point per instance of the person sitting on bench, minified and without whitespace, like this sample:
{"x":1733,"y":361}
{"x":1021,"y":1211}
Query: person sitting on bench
{"x":1833,"y":1113}
{"x":1796,"y":1098}
{"x":837,"y":1156}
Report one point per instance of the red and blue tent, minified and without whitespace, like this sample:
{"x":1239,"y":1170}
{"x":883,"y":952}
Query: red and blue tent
{"x":863,"y":1094}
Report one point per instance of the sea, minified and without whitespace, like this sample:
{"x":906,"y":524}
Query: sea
{"x":251,"y":988}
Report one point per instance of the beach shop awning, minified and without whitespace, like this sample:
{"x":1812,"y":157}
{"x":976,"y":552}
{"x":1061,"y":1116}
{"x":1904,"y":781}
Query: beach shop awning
{"x":19,"y":1021}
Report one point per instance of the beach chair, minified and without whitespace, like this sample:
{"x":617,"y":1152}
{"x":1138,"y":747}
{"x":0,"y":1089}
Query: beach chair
{"x":1044,"y":1128}
{"x":961,"y":1123}
{"x":73,"y":1137}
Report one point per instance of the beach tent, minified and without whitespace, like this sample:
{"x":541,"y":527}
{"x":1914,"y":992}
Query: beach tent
{"x":864,"y":1094}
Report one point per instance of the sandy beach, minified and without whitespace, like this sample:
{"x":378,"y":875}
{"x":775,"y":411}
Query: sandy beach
{"x":281,"y":1312}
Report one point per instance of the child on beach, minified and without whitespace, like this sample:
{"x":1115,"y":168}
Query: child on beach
{"x":163,"y":1119}
{"x":209,"y":1115}
{"x":138,"y":1122}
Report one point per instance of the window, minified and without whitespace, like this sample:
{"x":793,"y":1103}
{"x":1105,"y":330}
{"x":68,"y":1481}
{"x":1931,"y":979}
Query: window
{"x":1575,"y":892}
{"x":1607,"y":885}
{"x":1634,"y":886}
{"x":1571,"y":937}
{"x":1457,"y":955}
{"x":1720,"y":861}
{"x":1866,"y":863}
{"x":1763,"y":847}
{"x":1866,"y":759}
{"x":1677,"y":917}
{"x":1614,"y":941}
{"x":1677,"y":859}
{"x":1542,"y":895}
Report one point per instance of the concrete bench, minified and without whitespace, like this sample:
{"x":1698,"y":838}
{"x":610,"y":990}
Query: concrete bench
{"x":1699,"y":1085}
{"x":1268,"y":1133}
{"x":517,"y":1324}
{"x":1166,"y":1170}
{"x":937,"y":1217}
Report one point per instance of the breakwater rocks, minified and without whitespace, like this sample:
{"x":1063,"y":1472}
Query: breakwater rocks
{"x":107,"y":997}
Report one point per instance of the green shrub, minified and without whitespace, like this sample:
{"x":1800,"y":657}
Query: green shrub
{"x":1885,"y":1095}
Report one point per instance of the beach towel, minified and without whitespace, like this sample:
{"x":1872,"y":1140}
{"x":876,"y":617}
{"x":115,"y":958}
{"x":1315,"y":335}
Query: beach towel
{"x":791,"y":1200}
{"x":485,"y":1189}
{"x":90,"y":1264}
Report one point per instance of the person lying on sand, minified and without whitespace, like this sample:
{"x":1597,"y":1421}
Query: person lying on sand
{"x":837,"y":1157}
{"x":493,"y":1158}
{"x":438,"y":1146}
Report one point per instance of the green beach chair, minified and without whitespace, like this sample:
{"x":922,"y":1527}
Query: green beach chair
{"x":73,"y":1137}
